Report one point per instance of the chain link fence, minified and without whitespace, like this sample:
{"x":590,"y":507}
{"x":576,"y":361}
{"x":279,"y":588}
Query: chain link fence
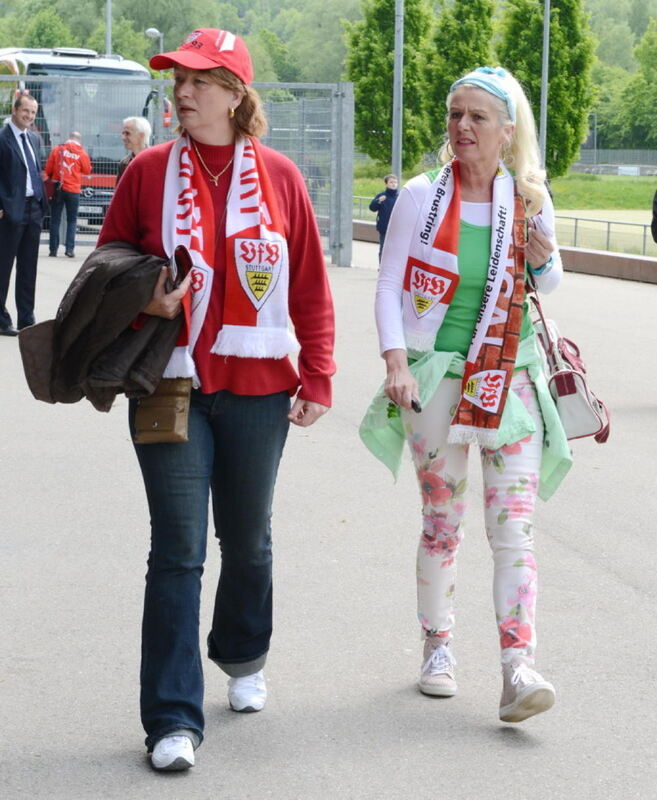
{"x":312,"y":124}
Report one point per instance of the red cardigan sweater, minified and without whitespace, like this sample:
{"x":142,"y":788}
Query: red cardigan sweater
{"x":135,"y":216}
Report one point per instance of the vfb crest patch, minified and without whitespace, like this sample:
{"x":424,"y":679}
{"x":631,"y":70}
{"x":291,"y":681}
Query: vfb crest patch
{"x":259,"y":264}
{"x":429,"y":285}
{"x":484,"y":389}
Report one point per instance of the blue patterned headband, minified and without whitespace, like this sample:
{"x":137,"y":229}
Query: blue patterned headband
{"x":488,"y":79}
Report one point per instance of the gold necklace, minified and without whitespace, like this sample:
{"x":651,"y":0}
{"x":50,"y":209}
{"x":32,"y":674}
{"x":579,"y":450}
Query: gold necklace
{"x":213,"y":178}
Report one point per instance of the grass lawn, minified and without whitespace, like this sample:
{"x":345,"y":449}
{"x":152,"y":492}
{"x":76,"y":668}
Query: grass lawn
{"x":576,"y":190}
{"x":579,"y":190}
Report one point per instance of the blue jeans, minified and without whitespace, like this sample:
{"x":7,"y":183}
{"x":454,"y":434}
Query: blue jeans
{"x":71,"y":200}
{"x":234,"y":449}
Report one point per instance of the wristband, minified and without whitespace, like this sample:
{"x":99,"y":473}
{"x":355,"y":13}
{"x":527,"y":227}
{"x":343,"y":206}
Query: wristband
{"x":542,"y":269}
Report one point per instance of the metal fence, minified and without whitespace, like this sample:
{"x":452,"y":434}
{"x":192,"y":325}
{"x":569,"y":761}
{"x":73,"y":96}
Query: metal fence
{"x":598,"y":234}
{"x":312,"y":124}
{"x":589,"y":155}
{"x":591,"y":234}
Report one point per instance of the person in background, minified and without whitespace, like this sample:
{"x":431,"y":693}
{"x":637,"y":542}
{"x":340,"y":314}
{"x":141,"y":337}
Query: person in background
{"x":463,"y":370}
{"x":136,"y":136}
{"x":67,"y":164}
{"x":382,"y":204}
{"x":243,"y":212}
{"x":653,"y":223}
{"x":23,"y":204}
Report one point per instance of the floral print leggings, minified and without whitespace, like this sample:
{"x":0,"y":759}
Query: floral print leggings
{"x":510,"y":485}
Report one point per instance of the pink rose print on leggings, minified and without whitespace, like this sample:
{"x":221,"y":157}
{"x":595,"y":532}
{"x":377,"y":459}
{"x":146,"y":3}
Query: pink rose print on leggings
{"x":440,"y":537}
{"x":514,"y":633}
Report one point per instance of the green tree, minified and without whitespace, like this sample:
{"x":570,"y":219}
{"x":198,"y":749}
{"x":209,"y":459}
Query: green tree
{"x":46,"y":29}
{"x":638,"y":112}
{"x":616,"y":45}
{"x":318,"y":43}
{"x":263,"y":69}
{"x":287,"y":23}
{"x":640,"y":14}
{"x":175,"y":18}
{"x":602,"y":12}
{"x":229,"y":18}
{"x":570,"y":93}
{"x":8,"y":24}
{"x":283,"y":61}
{"x":461,"y":42}
{"x":370,"y":64}
{"x":126,"y":41}
{"x":81,"y":16}
{"x":610,"y":82}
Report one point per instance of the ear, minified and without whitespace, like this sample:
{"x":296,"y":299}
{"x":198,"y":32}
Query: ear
{"x":508,"y":132}
{"x":238,"y":96}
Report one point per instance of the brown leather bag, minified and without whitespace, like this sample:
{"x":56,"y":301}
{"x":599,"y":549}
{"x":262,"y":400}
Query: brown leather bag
{"x":163,"y":416}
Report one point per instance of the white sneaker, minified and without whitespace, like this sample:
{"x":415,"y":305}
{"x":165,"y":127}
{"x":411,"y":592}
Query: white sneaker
{"x":173,"y":753}
{"x":437,"y":676}
{"x":524,"y":692}
{"x":248,"y":693}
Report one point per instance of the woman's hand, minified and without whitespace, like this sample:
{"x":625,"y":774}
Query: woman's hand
{"x":538,"y":249}
{"x":304,"y":412}
{"x":167,"y":304}
{"x":400,"y":385}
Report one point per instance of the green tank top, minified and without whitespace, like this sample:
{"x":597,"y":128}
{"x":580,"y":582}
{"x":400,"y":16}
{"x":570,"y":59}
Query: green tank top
{"x":455,"y":334}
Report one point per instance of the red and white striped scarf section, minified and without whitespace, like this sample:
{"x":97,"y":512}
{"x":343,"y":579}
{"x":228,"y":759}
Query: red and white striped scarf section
{"x":255,"y":314}
{"x":430,"y":281}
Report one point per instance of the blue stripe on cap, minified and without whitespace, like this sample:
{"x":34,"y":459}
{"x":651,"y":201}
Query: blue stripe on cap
{"x":488,"y":79}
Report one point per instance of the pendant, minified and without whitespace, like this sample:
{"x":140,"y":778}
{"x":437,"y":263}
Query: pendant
{"x":214,"y":179}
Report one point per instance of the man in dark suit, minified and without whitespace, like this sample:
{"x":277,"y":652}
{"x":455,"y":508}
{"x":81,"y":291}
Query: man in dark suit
{"x":22,"y":207}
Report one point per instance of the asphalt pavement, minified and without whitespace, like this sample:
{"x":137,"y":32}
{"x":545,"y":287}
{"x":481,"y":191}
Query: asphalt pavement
{"x":344,"y":719}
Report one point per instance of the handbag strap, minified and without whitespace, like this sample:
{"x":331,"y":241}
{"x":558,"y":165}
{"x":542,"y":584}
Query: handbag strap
{"x":547,"y":341}
{"x":570,"y":353}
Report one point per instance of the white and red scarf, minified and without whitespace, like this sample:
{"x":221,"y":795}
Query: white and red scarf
{"x":255,"y":314}
{"x":430,"y":280}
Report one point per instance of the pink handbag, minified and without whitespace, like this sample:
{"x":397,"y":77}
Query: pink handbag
{"x":581,"y":412}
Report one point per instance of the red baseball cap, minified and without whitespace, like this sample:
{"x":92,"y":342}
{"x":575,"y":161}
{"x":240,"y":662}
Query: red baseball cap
{"x":207,"y":48}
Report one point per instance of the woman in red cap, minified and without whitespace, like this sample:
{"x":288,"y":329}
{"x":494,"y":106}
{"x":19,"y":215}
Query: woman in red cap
{"x":243,"y":212}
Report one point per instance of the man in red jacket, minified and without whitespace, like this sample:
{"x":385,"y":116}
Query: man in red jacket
{"x":67,"y":163}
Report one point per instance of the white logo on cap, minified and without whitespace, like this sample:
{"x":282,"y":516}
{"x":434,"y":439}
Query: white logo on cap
{"x":225,"y":41}
{"x":192,"y":37}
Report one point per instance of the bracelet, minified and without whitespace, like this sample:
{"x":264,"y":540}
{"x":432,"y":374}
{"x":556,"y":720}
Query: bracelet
{"x":542,"y":269}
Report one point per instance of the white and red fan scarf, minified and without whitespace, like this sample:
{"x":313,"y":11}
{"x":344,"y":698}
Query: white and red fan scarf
{"x":255,"y":314}
{"x":431,"y":279}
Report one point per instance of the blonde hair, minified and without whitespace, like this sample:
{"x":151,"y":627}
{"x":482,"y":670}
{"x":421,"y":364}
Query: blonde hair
{"x":249,"y":119}
{"x":521,"y":155}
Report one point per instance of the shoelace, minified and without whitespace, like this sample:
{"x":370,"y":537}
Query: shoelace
{"x":440,"y":661}
{"x":524,"y":674}
{"x":174,"y":742}
{"x":254,"y":681}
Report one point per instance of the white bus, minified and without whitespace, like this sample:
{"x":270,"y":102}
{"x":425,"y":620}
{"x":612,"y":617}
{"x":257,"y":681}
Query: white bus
{"x":78,"y":89}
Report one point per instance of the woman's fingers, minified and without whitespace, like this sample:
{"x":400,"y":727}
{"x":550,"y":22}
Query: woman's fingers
{"x":183,"y":288}
{"x":167,"y":304}
{"x":539,"y":248}
{"x":401,"y":389}
{"x":305,"y":412}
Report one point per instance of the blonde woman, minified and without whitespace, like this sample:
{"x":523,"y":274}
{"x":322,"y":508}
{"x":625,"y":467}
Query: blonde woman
{"x":462,"y":368}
